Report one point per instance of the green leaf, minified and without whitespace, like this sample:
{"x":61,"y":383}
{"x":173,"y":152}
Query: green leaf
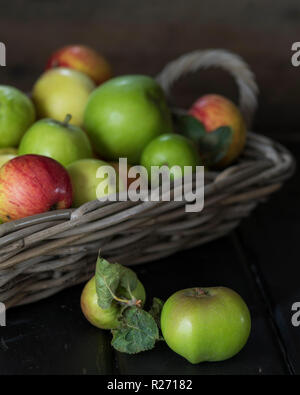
{"x":138,"y":332}
{"x":107,"y":281}
{"x":190,"y":127}
{"x":128,"y":281}
{"x":212,"y":146}
{"x":155,"y":310}
{"x":215,"y":145}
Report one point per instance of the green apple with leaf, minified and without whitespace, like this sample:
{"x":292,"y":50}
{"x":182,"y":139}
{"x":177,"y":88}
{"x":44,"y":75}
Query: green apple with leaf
{"x":17,"y":114}
{"x":103,"y":308}
{"x":124,"y":114}
{"x":106,"y":318}
{"x":113,"y":299}
{"x":61,"y":141}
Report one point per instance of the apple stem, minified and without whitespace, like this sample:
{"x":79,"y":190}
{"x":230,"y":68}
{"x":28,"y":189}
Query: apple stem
{"x":200,"y":292}
{"x":131,"y":302}
{"x":67,"y":119}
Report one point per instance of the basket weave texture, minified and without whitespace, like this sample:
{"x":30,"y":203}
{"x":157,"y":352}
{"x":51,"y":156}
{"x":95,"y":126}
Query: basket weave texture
{"x":45,"y":253}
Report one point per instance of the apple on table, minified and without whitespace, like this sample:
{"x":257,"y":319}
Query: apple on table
{"x":106,"y":318}
{"x":205,"y":324}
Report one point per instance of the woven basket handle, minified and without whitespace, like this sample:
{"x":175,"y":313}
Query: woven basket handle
{"x":226,"y":60}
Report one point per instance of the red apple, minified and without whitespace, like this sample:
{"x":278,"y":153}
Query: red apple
{"x":33,"y":184}
{"x":215,"y":111}
{"x":84,"y":59}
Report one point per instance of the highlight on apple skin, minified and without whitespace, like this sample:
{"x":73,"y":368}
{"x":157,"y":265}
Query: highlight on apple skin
{"x":33,"y":184}
{"x":84,"y":59}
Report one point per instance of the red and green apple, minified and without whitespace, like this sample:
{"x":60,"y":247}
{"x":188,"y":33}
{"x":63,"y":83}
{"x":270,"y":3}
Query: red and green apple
{"x":215,"y":111}
{"x":84,"y":59}
{"x":33,"y":184}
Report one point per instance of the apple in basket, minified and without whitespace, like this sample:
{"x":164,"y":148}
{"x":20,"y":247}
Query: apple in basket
{"x":61,"y":141}
{"x":62,"y":91}
{"x":92,"y":179}
{"x":84,"y":59}
{"x":124,"y":114}
{"x":214,"y":112}
{"x":176,"y":152}
{"x":17,"y":113}
{"x":33,"y":184}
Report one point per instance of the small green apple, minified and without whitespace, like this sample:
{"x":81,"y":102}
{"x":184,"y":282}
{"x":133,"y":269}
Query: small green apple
{"x":124,"y":114}
{"x":17,"y":113}
{"x":205,"y":324}
{"x":105,"y":318}
{"x":58,"y":140}
{"x":62,"y":91}
{"x":170,"y":150}
{"x":85,"y":182}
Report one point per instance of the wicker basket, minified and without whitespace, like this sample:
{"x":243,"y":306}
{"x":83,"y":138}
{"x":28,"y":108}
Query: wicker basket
{"x":43,"y":254}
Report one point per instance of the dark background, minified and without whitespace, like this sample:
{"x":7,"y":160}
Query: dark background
{"x":260,"y":260}
{"x":142,"y":36}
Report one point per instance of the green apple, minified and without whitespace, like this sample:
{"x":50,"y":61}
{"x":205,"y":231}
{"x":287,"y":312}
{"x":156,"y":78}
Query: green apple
{"x":105,"y":318}
{"x":124,"y":114}
{"x":205,"y":324}
{"x":85,"y":182}
{"x":169,"y":150}
{"x":58,"y":140}
{"x":62,"y":91}
{"x":17,"y":113}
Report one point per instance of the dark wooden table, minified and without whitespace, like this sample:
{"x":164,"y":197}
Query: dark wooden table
{"x":260,"y":261}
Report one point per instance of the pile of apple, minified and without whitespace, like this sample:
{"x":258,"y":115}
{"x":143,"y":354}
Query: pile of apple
{"x":52,"y":144}
{"x":78,"y":118}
